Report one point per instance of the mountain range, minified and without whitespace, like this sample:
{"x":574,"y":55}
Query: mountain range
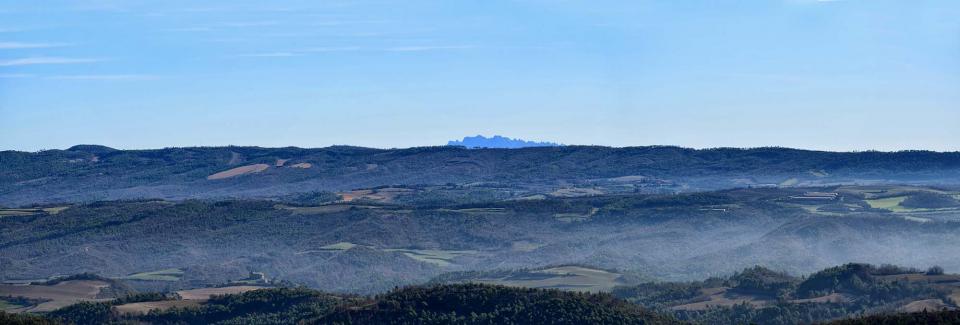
{"x":497,"y":141}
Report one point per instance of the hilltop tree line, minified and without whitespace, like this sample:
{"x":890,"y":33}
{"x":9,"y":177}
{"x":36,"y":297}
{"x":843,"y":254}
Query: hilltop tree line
{"x":436,"y":304}
{"x":868,"y":293}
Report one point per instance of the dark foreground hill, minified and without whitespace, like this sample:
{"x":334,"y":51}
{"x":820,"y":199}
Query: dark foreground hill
{"x":756,"y":295}
{"x":445,"y":304}
{"x":86,"y":173}
{"x":943,"y":317}
{"x":762,"y":296}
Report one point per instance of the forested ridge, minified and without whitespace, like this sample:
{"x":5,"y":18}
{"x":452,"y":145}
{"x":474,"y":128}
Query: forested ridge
{"x":436,"y":304}
{"x":871,"y":291}
{"x":85,"y":173}
{"x":845,"y":291}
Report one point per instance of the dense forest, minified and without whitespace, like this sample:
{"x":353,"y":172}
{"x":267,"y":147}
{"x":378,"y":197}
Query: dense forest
{"x":944,"y":317}
{"x":856,"y":289}
{"x":871,"y":294}
{"x":439,"y":304}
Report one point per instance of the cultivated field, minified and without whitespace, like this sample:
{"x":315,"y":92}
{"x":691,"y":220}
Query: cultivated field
{"x":925,"y":305}
{"x":242,"y":170}
{"x":161,"y":275}
{"x":31,"y":211}
{"x":723,"y":296}
{"x":55,"y":296}
{"x":145,"y":307}
{"x":435,"y":256}
{"x":382,"y":195}
{"x":189,"y":298}
{"x":573,"y":278}
{"x":440,"y":257}
{"x":206,"y":293}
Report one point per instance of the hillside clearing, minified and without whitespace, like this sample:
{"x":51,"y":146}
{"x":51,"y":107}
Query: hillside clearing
{"x":206,"y":293}
{"x":572,"y":278}
{"x":434,"y":256}
{"x":890,"y":203}
{"x":161,"y":275}
{"x":242,"y":170}
{"x":925,"y":305}
{"x":341,"y":246}
{"x":723,"y":296}
{"x":139,"y":308}
{"x":316,"y":209}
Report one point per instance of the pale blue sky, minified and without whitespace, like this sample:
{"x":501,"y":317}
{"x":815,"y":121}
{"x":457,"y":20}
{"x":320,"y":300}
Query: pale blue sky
{"x":834,"y":75}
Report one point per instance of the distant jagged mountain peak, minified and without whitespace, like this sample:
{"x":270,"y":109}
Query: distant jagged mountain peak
{"x":497,"y":141}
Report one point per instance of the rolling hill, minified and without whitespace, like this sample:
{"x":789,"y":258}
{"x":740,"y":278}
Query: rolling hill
{"x":368,"y":245}
{"x":89,"y":173}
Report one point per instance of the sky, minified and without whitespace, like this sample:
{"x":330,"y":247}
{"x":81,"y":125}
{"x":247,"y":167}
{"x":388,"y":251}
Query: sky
{"x":827,"y":75}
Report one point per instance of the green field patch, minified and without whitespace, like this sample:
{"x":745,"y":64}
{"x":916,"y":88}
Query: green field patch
{"x":341,"y":246}
{"x":161,"y":275}
{"x":816,"y":208}
{"x":525,"y":246}
{"x":336,"y":247}
{"x":434,"y":256}
{"x":893,"y":204}
{"x":790,"y":182}
{"x":31,"y":211}
{"x":55,"y":210}
{"x":476,"y":210}
{"x":314,"y":209}
{"x":8,"y":305}
{"x":439,"y":257}
{"x":917,"y":219}
{"x":575,"y":217}
{"x":573,"y":278}
{"x":530,"y":197}
{"x":19,"y":212}
{"x":576,"y":192}
{"x":890,"y":203}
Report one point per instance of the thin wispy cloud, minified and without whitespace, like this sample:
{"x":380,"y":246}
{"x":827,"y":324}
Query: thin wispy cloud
{"x":188,"y":29}
{"x":814,"y":2}
{"x":270,"y":55}
{"x":46,"y":60}
{"x":222,"y":26}
{"x":118,"y":77}
{"x":314,"y":50}
{"x":332,"y":49}
{"x":347,"y":22}
{"x":427,"y":48}
{"x":15,"y":75}
{"x":237,"y":9}
{"x":241,"y":24}
{"x":18,"y":45}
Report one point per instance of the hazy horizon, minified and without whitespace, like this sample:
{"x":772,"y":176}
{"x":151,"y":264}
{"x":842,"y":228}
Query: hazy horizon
{"x":490,"y":136}
{"x":838,"y":75}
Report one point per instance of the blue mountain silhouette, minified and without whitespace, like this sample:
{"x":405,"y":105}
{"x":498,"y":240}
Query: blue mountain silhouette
{"x":497,"y":141}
